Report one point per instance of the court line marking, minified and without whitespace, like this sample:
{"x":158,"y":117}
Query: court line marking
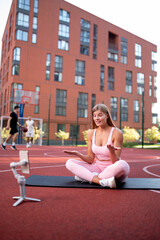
{"x":10,"y":170}
{"x":156,"y":175}
{"x":145,"y":170}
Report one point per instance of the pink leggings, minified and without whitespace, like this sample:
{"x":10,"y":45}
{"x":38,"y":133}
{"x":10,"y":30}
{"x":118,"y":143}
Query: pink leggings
{"x":105,"y":169}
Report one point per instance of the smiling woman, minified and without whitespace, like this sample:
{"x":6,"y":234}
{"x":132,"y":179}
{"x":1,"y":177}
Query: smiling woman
{"x":102,"y":164}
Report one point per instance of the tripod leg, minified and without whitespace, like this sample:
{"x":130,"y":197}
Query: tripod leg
{"x":18,"y":202}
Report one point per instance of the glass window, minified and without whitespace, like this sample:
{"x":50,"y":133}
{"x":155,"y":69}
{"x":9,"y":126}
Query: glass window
{"x":61,"y":127}
{"x":58,"y":62}
{"x":80,"y":66}
{"x":47,"y":74}
{"x":36,"y":108}
{"x":124,"y":109}
{"x":64,"y":45}
{"x":34,"y":38}
{"x":64,"y":16}
{"x":114,"y":108}
{"x":61,"y":100}
{"x":80,"y":72}
{"x":136,"y":111}
{"x":23,"y":20}
{"x":15,"y":69}
{"x":35,"y":20}
{"x":35,"y":6}
{"x":24,"y":4}
{"x":102,"y":78}
{"x":83,"y":105}
{"x":17,"y":54}
{"x":22,"y":35}
{"x":63,"y":30}
{"x":138,"y":50}
{"x":74,"y":131}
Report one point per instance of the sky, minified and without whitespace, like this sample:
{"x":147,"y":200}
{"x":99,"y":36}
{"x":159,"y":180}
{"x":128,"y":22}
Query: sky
{"x":140,"y":17}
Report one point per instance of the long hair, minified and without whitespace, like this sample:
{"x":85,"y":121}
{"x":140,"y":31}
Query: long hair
{"x":103,"y":108}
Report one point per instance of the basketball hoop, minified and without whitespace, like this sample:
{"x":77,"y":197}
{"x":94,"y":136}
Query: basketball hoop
{"x":26,"y":100}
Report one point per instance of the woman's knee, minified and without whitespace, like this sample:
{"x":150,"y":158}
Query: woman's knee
{"x":70,"y":163}
{"x":124,"y":166}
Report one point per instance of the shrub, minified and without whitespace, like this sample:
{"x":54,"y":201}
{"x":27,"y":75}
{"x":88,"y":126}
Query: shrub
{"x":63,"y":135}
{"x":85,"y":135}
{"x":152,"y":134}
{"x":130,"y":134}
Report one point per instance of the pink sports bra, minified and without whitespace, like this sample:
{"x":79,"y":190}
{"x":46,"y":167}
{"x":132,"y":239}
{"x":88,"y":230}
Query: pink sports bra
{"x":102,"y":152}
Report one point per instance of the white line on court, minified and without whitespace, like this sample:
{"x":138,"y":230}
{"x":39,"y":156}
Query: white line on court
{"x":156,"y":175}
{"x":10,"y":170}
{"x":145,"y":170}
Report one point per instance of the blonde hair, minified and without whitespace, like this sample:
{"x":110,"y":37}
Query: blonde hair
{"x":103,"y":108}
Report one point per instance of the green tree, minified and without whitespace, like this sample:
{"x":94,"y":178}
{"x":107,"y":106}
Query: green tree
{"x":63,"y":135}
{"x":152,"y":134}
{"x":85,"y":135}
{"x":130,"y":134}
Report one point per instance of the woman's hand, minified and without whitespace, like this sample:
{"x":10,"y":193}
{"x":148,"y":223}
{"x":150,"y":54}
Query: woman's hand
{"x":113,"y":148}
{"x":70,"y":152}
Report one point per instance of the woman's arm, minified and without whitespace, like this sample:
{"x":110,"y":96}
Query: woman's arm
{"x":89,"y":158}
{"x":116,"y":149}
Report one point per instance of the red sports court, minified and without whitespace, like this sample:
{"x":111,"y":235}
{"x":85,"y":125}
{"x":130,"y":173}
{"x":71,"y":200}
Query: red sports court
{"x":67,"y":213}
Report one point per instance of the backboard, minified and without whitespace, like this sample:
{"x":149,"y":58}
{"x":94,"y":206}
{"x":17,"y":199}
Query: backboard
{"x":25,"y":97}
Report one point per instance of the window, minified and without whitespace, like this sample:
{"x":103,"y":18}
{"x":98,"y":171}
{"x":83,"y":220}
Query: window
{"x":80,"y":72}
{"x":35,"y":20}
{"x":128,"y":81}
{"x":154,"y":61}
{"x":64,"y":16}
{"x":48,"y":64}
{"x":114,"y":108}
{"x":140,"y":83}
{"x":95,"y":30}
{"x":17,"y":54}
{"x":74,"y":131}
{"x":84,"y":37}
{"x":138,"y":55}
{"x":113,"y":47}
{"x":34,"y":38}
{"x":63,"y":44}
{"x":63,"y":30}
{"x":155,"y":86}
{"x":111,"y":78}
{"x":14,"y":86}
{"x":36,"y":108}
{"x":15,"y":69}
{"x":124,"y":51}
{"x":124,"y":109}
{"x":24,"y":4}
{"x":138,"y":50}
{"x":83,"y":105}
{"x":61,"y":100}
{"x":136,"y":111}
{"x":35,"y":6}
{"x":93,"y":103}
{"x":102,"y":78}
{"x":63,"y":33}
{"x":16,"y":61}
{"x":58,"y":67}
{"x":23,"y":20}
{"x":61,"y":127}
{"x":150,"y":86}
{"x":22,"y":35}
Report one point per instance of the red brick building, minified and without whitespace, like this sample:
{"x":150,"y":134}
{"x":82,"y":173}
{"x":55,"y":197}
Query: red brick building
{"x":66,"y":54}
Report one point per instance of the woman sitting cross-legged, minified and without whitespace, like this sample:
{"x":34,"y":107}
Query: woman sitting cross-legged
{"x":102,"y":164}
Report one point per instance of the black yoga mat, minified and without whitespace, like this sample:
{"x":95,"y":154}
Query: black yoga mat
{"x":69,"y":182}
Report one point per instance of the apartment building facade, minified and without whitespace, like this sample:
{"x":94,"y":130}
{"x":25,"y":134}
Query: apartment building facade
{"x":75,"y":60}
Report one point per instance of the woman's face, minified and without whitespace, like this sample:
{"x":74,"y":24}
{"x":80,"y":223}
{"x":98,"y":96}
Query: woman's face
{"x":100,"y":118}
